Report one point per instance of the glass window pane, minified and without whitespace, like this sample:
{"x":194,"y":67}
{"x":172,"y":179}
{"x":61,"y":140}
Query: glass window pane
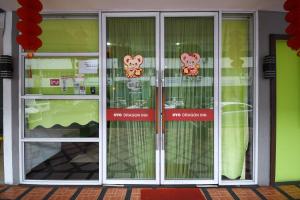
{"x":61,"y":161}
{"x":237,"y":97}
{"x":61,"y":118}
{"x":131,"y":143}
{"x":70,"y":35}
{"x":189,"y":88}
{"x":61,"y":76}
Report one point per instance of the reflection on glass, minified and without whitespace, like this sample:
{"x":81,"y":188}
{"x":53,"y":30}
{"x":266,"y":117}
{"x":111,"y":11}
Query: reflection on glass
{"x":131,"y":144}
{"x":61,"y":161}
{"x":61,"y":76}
{"x":189,"y":145}
{"x":61,"y":118}
{"x":70,"y":35}
{"x":237,"y":97}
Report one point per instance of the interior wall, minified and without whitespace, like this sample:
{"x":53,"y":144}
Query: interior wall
{"x":269,"y":23}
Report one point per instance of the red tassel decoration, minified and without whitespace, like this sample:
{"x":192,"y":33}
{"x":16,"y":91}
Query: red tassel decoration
{"x":29,"y":14}
{"x":293,"y":29}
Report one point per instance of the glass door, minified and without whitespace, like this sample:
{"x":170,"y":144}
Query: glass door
{"x":131,"y":59}
{"x":160,"y":106}
{"x":189,"y":93}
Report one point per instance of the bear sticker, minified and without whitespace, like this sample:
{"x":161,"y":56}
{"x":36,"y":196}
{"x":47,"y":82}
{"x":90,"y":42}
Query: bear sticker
{"x":132,"y":66}
{"x":190,"y":64}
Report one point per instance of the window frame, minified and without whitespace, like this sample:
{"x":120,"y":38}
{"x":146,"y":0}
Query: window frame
{"x":254,"y":46}
{"x":23,"y":97}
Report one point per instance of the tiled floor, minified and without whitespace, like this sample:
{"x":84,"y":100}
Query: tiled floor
{"x":63,"y":166}
{"x":219,"y":193}
{"x":24,"y":192}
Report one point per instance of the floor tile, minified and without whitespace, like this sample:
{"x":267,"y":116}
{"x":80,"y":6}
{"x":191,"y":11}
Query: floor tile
{"x":2,"y":187}
{"x":271,"y":193}
{"x":245,"y":194}
{"x":63,"y":193}
{"x":89,"y":193}
{"x":13,"y":192}
{"x":115,"y":194}
{"x":219,"y":194}
{"x":38,"y":193}
{"x":136,"y":193}
{"x":291,"y":190}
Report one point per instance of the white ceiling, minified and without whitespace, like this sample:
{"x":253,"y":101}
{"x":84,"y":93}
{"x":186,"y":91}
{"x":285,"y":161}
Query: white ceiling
{"x":153,"y":5}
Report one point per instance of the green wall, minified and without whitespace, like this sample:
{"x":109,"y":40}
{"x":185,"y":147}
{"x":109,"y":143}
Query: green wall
{"x":288,"y":114}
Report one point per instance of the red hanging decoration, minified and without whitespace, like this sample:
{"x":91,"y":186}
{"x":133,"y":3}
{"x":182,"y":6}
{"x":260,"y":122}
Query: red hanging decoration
{"x":28,"y":25}
{"x":28,"y":16}
{"x":29,"y":28}
{"x":293,"y":29}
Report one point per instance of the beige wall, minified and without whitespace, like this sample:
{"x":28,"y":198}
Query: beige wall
{"x":274,"y":5}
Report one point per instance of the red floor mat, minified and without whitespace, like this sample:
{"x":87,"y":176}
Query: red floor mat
{"x":172,"y":194}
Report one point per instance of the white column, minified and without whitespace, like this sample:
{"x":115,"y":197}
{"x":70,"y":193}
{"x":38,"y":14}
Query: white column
{"x":7,"y":106}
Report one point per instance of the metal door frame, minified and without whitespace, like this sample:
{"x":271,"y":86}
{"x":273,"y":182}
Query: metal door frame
{"x":103,"y":102}
{"x":216,"y":96}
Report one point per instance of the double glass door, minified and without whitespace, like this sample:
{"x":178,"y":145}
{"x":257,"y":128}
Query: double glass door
{"x":161,"y":83}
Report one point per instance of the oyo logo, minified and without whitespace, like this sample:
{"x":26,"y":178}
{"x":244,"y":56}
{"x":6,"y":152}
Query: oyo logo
{"x":176,"y":114}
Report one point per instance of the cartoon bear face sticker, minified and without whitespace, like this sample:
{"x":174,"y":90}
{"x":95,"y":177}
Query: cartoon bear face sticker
{"x":132,"y":66}
{"x":190,"y":64}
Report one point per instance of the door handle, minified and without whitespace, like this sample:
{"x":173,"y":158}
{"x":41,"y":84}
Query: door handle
{"x":162,"y":141}
{"x":157,"y":79}
{"x":158,"y":142}
{"x":162,"y":78}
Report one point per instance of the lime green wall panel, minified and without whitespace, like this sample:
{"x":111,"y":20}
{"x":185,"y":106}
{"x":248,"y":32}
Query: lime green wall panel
{"x":70,"y":35}
{"x":288,"y":114}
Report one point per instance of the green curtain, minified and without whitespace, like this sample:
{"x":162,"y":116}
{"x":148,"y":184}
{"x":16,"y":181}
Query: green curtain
{"x":189,"y":145}
{"x":48,"y":113}
{"x":236,"y":90}
{"x":131,"y":144}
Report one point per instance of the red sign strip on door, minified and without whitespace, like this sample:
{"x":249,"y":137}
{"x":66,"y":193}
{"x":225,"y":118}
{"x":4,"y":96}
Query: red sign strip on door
{"x":119,"y":114}
{"x":189,"y":115}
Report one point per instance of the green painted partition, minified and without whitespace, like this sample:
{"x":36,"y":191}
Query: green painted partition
{"x":288,"y":114}
{"x":70,"y":35}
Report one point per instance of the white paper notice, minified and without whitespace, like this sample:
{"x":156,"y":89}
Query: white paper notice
{"x":88,"y":67}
